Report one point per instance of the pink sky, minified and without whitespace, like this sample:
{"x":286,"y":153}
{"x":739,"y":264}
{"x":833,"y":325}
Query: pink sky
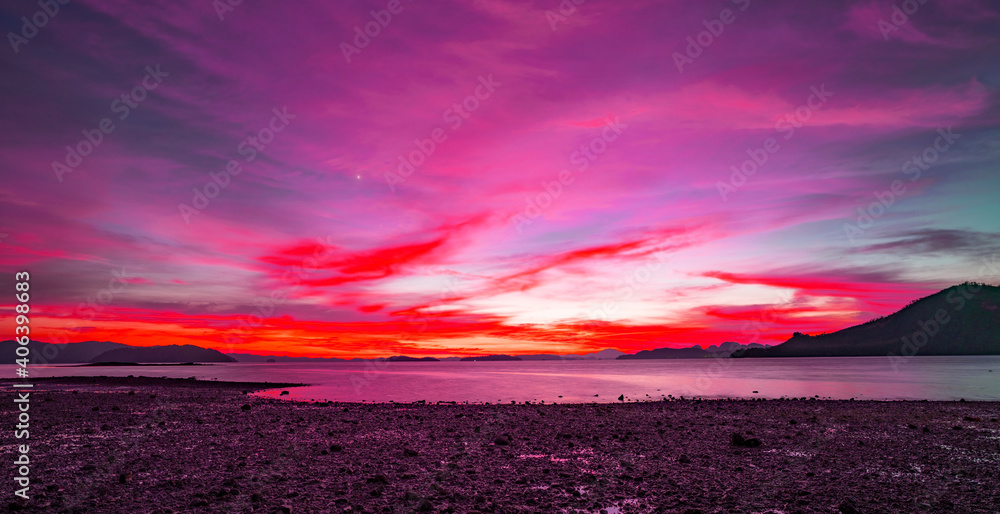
{"x":571,"y":189}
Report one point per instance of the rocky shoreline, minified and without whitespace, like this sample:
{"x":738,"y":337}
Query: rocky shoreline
{"x":165,"y":445}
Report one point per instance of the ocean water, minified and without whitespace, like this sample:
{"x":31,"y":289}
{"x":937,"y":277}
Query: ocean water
{"x":917,"y":378}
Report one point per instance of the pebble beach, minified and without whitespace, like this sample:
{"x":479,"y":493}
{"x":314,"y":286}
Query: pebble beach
{"x":138,"y":444}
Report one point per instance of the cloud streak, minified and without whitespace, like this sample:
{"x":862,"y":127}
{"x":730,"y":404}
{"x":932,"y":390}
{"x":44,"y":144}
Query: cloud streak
{"x":439,"y":251}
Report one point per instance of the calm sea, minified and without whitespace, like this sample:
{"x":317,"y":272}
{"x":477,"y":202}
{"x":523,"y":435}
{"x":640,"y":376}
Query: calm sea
{"x":931,"y":378}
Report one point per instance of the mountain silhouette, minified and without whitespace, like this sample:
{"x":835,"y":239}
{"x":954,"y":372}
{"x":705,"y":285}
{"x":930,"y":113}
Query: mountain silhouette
{"x":171,"y":353}
{"x":49,"y":353}
{"x":693,"y":352}
{"x":959,"y":320}
{"x":500,"y":357}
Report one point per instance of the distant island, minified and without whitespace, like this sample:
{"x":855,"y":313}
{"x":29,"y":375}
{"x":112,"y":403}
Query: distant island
{"x":959,"y":320}
{"x":493,"y":358}
{"x":103,"y":364}
{"x":693,"y":352}
{"x":404,"y":358}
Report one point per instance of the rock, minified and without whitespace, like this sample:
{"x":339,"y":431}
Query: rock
{"x":125,"y":478}
{"x":256,"y":497}
{"x":410,"y":453}
{"x":684,"y":459}
{"x":847,"y":507}
{"x":336,"y":448}
{"x":501,"y":441}
{"x":245,"y":407}
{"x":378,"y":479}
{"x":738,"y":440}
{"x":621,"y":398}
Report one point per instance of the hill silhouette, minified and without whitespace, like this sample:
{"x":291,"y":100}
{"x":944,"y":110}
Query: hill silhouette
{"x":693,"y":352}
{"x":172,"y":353}
{"x":49,"y":353}
{"x":501,"y":357}
{"x":959,"y":320}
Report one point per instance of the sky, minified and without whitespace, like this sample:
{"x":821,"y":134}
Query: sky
{"x":492,"y":176}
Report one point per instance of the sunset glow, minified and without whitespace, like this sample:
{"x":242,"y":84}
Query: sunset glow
{"x":494,"y":176}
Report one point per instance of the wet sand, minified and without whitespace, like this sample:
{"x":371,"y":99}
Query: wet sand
{"x":159,"y":445}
